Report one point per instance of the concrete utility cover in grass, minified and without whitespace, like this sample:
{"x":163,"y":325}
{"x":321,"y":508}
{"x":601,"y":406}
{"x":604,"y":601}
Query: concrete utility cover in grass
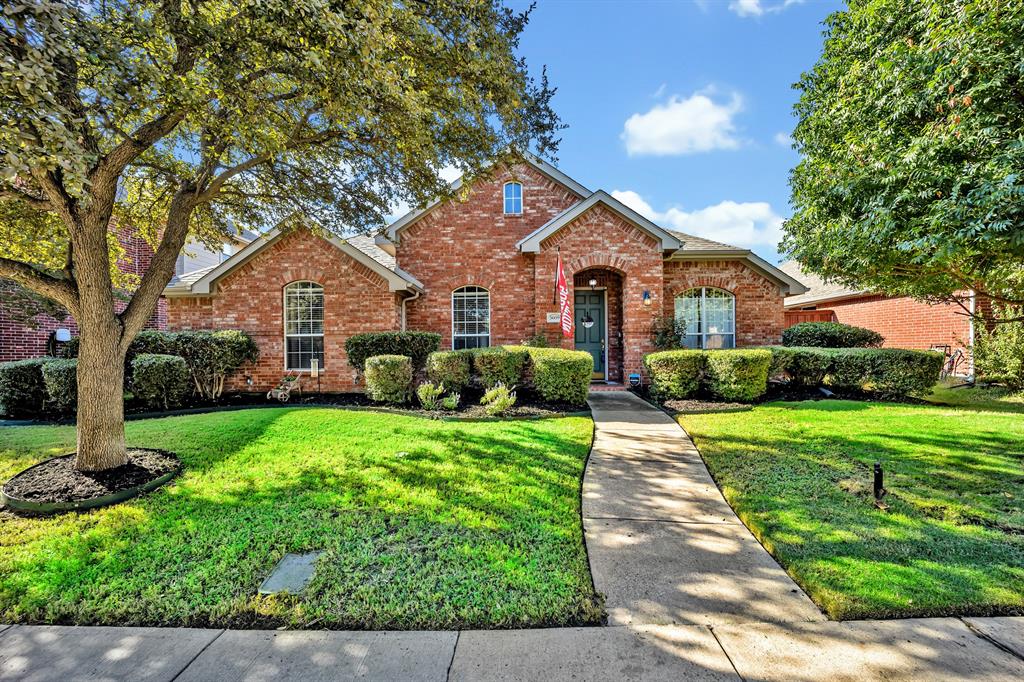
{"x":291,"y":574}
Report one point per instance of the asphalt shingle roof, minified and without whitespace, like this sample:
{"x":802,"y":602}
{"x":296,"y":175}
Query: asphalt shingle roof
{"x":818,"y":289}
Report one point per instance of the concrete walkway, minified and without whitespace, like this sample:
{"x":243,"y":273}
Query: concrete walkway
{"x":690,"y":593}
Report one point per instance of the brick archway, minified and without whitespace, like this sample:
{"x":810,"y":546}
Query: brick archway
{"x":610,"y":282}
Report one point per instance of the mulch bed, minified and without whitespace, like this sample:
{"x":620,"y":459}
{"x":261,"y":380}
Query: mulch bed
{"x":698,"y":406}
{"x":57,"y":480}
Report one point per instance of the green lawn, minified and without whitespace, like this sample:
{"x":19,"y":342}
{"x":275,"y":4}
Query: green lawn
{"x":423,"y":523}
{"x":800,"y":476}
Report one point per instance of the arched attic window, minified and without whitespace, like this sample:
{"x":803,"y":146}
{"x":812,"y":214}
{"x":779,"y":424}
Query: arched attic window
{"x":513,"y":194}
{"x":471,"y":318}
{"x":708,"y":316}
{"x":303,"y":325}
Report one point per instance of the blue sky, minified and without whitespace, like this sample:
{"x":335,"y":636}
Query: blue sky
{"x":682,"y":108}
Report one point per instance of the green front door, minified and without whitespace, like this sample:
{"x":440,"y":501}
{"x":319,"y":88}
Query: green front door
{"x":590,"y":311}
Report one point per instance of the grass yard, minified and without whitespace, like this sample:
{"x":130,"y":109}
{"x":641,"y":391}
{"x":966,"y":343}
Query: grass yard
{"x":423,"y":523}
{"x":800,"y":477}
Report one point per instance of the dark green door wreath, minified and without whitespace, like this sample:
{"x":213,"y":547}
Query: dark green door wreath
{"x":55,"y":486}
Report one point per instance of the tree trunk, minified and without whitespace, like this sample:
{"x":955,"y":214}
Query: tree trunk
{"x":100,"y":399}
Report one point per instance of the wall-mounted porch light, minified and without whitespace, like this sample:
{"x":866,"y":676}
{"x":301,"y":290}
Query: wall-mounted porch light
{"x":593,"y":283}
{"x":647,"y":298}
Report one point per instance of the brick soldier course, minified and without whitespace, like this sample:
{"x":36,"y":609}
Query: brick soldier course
{"x":405,"y":276}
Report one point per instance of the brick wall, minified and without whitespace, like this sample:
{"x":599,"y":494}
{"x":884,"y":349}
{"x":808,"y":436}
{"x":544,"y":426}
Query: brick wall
{"x":759,"y":301}
{"x":19,"y":340}
{"x":470,"y":242}
{"x":251,"y":298}
{"x":904,"y":322}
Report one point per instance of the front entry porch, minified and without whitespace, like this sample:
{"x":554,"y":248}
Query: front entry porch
{"x":597,"y":320}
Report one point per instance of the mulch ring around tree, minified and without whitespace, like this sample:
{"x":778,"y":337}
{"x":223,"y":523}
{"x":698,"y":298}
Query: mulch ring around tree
{"x":54,"y":485}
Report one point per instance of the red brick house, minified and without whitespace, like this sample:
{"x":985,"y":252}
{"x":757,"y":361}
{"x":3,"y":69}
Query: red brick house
{"x":480,"y":270}
{"x":903,"y":321}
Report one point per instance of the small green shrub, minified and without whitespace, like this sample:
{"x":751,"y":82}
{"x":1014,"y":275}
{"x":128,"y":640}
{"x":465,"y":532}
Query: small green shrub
{"x":22,"y":390}
{"x":498,"y":400}
{"x":897,"y":372}
{"x":675,"y":374}
{"x":429,"y":395}
{"x":449,"y":367}
{"x":499,"y":365}
{"x":804,"y":366}
{"x":738,"y":374}
{"x":160,"y":380}
{"x":561,"y":375}
{"x":667,"y":333}
{"x":830,"y":335}
{"x":451,"y":401}
{"x":414,"y":345}
{"x":538,"y":340}
{"x":388,"y":378}
{"x":211,"y":356}
{"x":999,"y":352}
{"x":61,"y":379}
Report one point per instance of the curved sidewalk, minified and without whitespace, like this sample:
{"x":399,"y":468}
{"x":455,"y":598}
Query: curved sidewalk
{"x":665,"y":547}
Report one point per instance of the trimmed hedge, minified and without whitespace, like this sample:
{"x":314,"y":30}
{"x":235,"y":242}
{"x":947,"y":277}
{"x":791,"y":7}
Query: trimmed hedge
{"x":22,"y":390}
{"x":830,"y":335}
{"x":561,"y":375}
{"x":450,"y":368}
{"x":416,"y":346}
{"x":738,"y":374}
{"x":889,"y":372}
{"x":160,"y":380}
{"x":492,"y":366}
{"x":675,"y":374}
{"x":388,"y":378}
{"x":61,"y":380}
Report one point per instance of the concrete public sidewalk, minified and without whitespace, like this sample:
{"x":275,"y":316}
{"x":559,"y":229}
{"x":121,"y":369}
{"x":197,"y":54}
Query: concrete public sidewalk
{"x":690,"y":593}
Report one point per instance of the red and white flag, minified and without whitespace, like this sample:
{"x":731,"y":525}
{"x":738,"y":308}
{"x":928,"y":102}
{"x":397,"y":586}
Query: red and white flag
{"x":562,"y":288}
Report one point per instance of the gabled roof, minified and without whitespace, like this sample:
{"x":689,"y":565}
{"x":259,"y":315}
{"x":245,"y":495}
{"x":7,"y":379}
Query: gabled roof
{"x":531,"y":242}
{"x":539,"y":164}
{"x":817,"y":289}
{"x":360,"y":249}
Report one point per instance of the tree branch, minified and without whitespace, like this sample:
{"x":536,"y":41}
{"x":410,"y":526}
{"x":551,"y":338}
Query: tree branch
{"x":54,"y":288}
{"x":38,"y":203}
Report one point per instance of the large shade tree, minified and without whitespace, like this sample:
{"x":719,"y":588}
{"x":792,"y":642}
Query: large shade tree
{"x":184,"y":117}
{"x":911,"y":127}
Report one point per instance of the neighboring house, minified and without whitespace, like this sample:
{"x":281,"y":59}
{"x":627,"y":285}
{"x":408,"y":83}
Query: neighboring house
{"x":904,"y":322}
{"x":21,"y":338}
{"x":480,"y":271}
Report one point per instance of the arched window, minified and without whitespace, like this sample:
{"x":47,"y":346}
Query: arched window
{"x":708,"y":316}
{"x":513,"y":198}
{"x":471,"y":318}
{"x":303,"y":325}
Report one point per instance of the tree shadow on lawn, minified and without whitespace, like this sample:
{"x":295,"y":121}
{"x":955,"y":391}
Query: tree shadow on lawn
{"x":408,"y":542}
{"x":952,"y":542}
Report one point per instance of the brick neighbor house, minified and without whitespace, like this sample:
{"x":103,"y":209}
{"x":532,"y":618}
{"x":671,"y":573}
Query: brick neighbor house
{"x":903,"y":321}
{"x":22,"y":338}
{"x":479,"y":270}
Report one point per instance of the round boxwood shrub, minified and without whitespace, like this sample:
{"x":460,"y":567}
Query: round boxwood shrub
{"x":450,"y":368}
{"x":561,"y":375}
{"x":160,"y":380}
{"x":22,"y":391}
{"x":61,"y":379}
{"x":389,"y":378}
{"x":414,"y":345}
{"x":675,"y":374}
{"x":492,"y":366}
{"x":738,"y":374}
{"x":830,"y":335}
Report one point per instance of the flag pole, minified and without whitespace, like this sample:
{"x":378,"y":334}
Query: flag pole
{"x":558,"y":264}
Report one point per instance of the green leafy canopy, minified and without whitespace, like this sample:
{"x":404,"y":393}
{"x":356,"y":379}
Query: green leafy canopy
{"x":911,"y":129}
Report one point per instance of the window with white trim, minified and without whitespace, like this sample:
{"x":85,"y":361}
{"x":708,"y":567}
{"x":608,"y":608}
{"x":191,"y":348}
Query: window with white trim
{"x":471,"y":318}
{"x":513,"y":198}
{"x":303,"y":325}
{"x":708,"y":316}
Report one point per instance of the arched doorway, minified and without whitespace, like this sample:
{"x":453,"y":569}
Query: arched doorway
{"x":597,"y":314}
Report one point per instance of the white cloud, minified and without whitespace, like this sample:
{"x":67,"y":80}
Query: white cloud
{"x":749,"y":224}
{"x":783,"y":139}
{"x":754,"y":8}
{"x":684,"y":126}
